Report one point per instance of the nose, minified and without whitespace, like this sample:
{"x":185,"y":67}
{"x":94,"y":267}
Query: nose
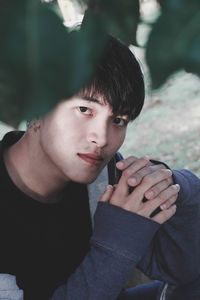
{"x":98,"y":134}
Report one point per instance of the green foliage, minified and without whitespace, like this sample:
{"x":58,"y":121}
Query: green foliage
{"x":174,"y":42}
{"x":120,"y":17}
{"x":42,"y":62}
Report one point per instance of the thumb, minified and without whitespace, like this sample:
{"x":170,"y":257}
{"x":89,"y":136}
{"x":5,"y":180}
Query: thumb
{"x":107,"y":194}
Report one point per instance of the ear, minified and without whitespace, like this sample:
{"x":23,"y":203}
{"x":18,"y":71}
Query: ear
{"x":34,"y":124}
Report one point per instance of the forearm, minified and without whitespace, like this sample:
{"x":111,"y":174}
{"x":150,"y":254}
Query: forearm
{"x":173,"y":254}
{"x":119,"y":240}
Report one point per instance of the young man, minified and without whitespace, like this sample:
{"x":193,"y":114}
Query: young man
{"x":52,"y":177}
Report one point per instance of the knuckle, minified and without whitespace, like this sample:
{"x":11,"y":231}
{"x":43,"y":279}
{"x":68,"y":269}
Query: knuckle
{"x":147,"y":169}
{"x":153,"y":192}
{"x":163,"y":166}
{"x":163,"y":172}
{"x":132,"y":158}
{"x":161,"y":197}
{"x":166,"y":173}
{"x":127,"y":173}
{"x":147,"y":179}
{"x":169,"y":202}
{"x":144,"y":159}
{"x":160,"y":166}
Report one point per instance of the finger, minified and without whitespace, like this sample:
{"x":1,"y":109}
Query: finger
{"x":149,"y":181}
{"x":161,"y":199}
{"x":169,"y":202}
{"x":125,"y":163}
{"x":171,"y":180}
{"x":107,"y":194}
{"x":135,"y":199}
{"x":165,"y":215}
{"x":138,"y":176}
{"x":158,"y":188}
{"x":128,"y":172}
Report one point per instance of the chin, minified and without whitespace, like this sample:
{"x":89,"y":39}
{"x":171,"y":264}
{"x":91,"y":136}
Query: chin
{"x":86,"y":180}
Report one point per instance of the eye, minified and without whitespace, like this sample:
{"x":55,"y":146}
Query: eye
{"x":85,"y":110}
{"x":120,"y":122}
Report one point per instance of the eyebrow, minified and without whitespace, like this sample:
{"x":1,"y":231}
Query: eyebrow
{"x":92,"y":99}
{"x":101,"y":102}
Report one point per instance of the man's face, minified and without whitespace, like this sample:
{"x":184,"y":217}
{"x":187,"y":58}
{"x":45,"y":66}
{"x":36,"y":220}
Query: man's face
{"x":80,"y":136}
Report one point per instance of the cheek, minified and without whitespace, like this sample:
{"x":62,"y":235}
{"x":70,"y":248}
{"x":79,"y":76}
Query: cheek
{"x":117,"y":139}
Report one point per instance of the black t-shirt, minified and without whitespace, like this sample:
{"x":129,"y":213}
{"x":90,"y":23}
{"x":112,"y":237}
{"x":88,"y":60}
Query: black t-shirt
{"x":41,"y":244}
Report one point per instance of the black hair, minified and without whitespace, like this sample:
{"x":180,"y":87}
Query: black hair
{"x":118,"y":79}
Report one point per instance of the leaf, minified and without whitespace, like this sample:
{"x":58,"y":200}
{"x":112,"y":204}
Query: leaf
{"x":40,"y":61}
{"x":121,"y":17}
{"x":174,"y":42}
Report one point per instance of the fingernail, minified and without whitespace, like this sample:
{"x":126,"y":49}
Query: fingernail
{"x":174,"y":206}
{"x":163,"y":206}
{"x":132,"y":181}
{"x":109,"y":187}
{"x":120,"y":164}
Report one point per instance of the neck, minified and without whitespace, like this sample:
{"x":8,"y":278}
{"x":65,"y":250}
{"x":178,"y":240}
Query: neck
{"x":32,"y":172}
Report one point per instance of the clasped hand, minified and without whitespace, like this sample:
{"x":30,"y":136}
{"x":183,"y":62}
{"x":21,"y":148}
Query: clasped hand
{"x":145,"y":180}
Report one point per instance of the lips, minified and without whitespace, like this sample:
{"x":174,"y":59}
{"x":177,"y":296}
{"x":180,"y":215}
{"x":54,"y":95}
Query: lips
{"x":91,"y":158}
